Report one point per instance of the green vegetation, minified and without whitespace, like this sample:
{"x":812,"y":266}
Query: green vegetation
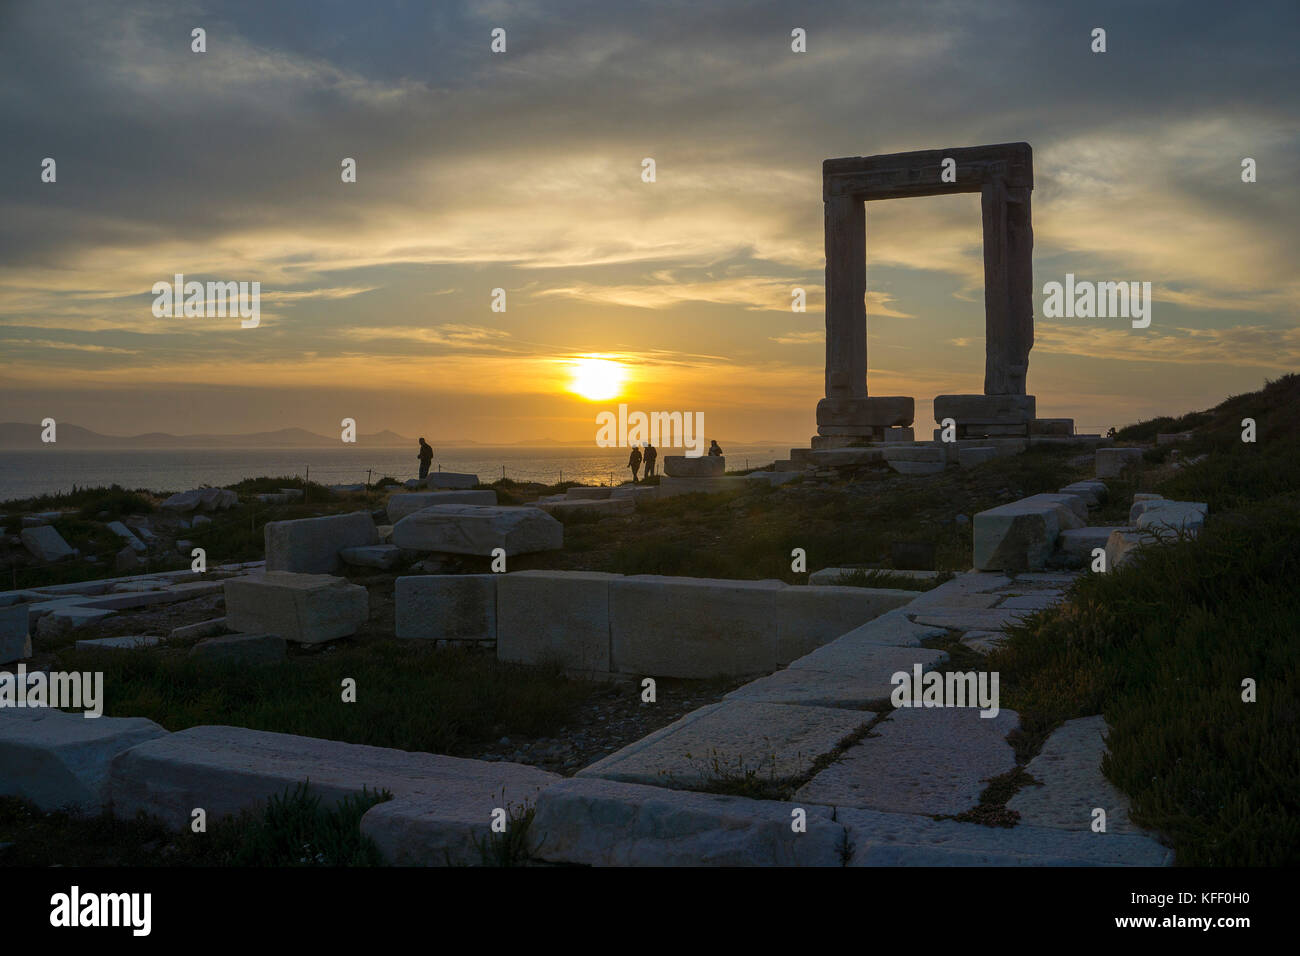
{"x":410,"y":695}
{"x":115,"y":499}
{"x":1161,"y":648}
{"x":293,"y":829}
{"x":750,"y":533}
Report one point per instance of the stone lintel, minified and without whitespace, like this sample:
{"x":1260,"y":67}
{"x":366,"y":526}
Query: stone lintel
{"x":918,"y":173}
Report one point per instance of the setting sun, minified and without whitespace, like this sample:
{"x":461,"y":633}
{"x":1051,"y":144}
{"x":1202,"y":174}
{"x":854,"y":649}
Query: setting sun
{"x":596,"y":379}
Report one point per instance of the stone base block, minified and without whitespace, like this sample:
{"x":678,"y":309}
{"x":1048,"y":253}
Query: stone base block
{"x":1057,"y":427}
{"x":706,"y":466}
{"x":587,"y":492}
{"x":871,"y":412}
{"x":545,"y":616}
{"x":303,"y":608}
{"x":985,"y":409}
{"x":243,"y":650}
{"x":479,"y":529}
{"x":968,"y":456}
{"x":565,"y":507}
{"x":1021,"y":535}
{"x":692,"y":627}
{"x":312,"y":545}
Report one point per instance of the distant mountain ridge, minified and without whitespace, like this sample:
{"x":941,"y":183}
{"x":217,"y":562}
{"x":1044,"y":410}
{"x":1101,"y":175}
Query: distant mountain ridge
{"x":24,"y":436}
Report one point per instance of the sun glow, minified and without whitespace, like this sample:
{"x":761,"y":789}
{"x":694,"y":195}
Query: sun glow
{"x":596,"y":379}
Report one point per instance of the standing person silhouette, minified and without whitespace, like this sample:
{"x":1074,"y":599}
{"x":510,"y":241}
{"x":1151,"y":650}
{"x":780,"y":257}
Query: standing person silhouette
{"x":426,"y":459}
{"x":634,"y":461}
{"x":651,"y":455}
{"x":715,"y":450}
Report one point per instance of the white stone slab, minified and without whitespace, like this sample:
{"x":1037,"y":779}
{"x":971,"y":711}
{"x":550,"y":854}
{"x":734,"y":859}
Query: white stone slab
{"x":561,"y":616}
{"x":864,"y":681}
{"x":731,"y":740}
{"x":900,"y":839}
{"x":59,"y":760}
{"x":924,"y":760}
{"x":1070,"y":782}
{"x":132,"y":642}
{"x":808,"y":617}
{"x":404,"y":503}
{"x":1077,"y":543}
{"x":693,"y":627}
{"x":706,"y":466}
{"x":479,"y":529}
{"x":969,"y":619}
{"x":63,"y":620}
{"x":448,"y":825}
{"x":608,"y":823}
{"x":127,"y":535}
{"x":312,"y":545}
{"x":229,"y":769}
{"x":303,"y":608}
{"x":1021,"y":535}
{"x":45,"y":543}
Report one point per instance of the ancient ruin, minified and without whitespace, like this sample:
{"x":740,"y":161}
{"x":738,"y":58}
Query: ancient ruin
{"x":1003,"y":174}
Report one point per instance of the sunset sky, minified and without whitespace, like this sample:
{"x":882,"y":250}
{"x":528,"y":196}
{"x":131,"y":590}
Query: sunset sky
{"x":522,"y":171}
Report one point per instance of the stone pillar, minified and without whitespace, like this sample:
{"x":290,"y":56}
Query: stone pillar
{"x":846,"y":288}
{"x":1008,"y":288}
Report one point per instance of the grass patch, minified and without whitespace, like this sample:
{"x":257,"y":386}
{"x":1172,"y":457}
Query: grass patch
{"x":1160,"y":647}
{"x":450,"y":701}
{"x":293,"y":829}
{"x":878,"y":578}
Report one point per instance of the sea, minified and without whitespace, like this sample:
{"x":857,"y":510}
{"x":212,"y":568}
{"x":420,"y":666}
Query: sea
{"x":24,"y":474}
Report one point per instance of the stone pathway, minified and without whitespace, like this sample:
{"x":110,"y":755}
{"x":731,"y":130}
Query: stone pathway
{"x":873,"y":797}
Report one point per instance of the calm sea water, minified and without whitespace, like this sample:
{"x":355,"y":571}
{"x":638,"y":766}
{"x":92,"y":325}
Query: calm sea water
{"x":27,"y":473}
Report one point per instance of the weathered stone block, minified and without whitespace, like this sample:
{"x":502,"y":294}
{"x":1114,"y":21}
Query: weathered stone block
{"x":731,"y":740}
{"x":555,"y":615}
{"x":706,"y":466}
{"x":985,"y":409}
{"x":693,"y":627}
{"x":1070,"y":782}
{"x":447,"y":607}
{"x":919,"y":760}
{"x":608,"y":823}
{"x":382,"y":556}
{"x":1162,"y":516}
{"x":874,"y":411}
{"x":1112,"y":462}
{"x":587,"y":493}
{"x":303,"y":608}
{"x":1021,"y":535}
{"x":312,"y":545}
{"x":58,"y":760}
{"x":45,"y":543}
{"x":128,"y":642}
{"x":479,"y":529}
{"x":404,"y":503}
{"x":447,"y":825}
{"x":229,"y":769}
{"x":808,"y":617}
